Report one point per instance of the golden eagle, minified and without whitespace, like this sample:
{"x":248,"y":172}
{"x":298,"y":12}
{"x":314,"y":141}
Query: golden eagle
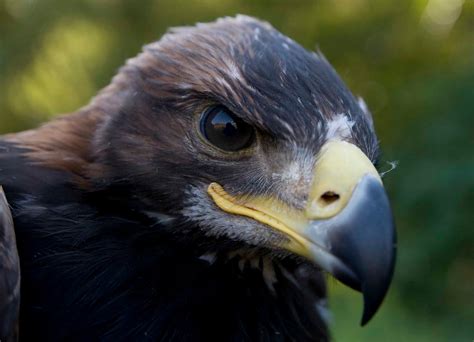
{"x":201,"y":196}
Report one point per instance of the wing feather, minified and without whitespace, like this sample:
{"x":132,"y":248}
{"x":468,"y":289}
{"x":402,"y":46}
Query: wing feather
{"x":9,"y":275}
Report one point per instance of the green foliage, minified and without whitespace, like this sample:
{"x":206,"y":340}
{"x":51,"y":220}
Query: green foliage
{"x":412,"y":61}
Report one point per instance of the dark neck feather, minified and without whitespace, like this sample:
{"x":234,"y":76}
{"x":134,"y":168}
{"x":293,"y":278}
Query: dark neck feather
{"x":103,"y":271}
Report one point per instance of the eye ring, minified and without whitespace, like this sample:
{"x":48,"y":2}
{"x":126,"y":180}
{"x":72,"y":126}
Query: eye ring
{"x":223,"y":129}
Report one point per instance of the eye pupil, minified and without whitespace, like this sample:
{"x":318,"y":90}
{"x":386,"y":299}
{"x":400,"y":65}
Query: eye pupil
{"x":223,"y":122}
{"x":230,"y":129}
{"x":225,"y":130}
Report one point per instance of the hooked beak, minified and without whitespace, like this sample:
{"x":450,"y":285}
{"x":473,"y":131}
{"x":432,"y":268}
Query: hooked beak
{"x":347,"y":227}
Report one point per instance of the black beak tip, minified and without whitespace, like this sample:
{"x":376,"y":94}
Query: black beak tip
{"x":372,"y":303}
{"x":374,"y":292}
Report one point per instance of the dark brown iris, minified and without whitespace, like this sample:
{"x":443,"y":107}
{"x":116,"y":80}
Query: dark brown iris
{"x":225,"y":130}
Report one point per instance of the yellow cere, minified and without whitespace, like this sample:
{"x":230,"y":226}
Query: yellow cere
{"x":339,"y":169}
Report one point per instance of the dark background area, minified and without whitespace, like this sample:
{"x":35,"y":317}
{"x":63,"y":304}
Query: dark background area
{"x":412,"y":61}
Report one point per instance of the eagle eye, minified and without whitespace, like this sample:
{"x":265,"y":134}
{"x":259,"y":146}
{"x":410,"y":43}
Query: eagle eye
{"x":225,"y":130}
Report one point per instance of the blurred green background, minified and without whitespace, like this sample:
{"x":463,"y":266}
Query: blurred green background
{"x":412,"y":61}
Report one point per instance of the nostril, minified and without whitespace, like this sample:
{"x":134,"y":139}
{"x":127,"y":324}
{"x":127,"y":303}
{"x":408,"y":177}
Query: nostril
{"x":328,"y":198}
